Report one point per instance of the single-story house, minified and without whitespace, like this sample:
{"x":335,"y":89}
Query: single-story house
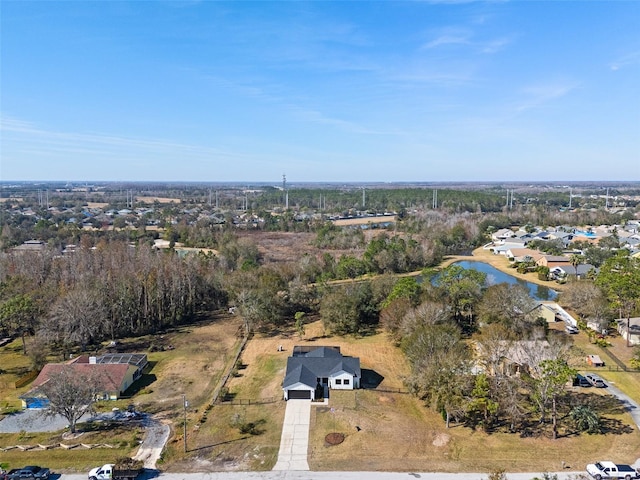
{"x":579,"y":271}
{"x":504,"y":248}
{"x":502,"y":234}
{"x":552,"y":260}
{"x":565,"y":237}
{"x":631,"y":334}
{"x":30,"y":246}
{"x":546,"y":311}
{"x":512,"y":358}
{"x":311,"y":370}
{"x":523,"y":254}
{"x":115,"y":372}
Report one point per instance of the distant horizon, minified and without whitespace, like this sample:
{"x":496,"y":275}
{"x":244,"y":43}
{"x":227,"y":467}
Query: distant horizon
{"x":370,"y":90}
{"x":560,"y":183}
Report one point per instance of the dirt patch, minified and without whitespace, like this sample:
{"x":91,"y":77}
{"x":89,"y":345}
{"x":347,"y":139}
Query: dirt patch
{"x":441,"y":440}
{"x":334,"y":438}
{"x":189,"y":367}
{"x":276,"y":247}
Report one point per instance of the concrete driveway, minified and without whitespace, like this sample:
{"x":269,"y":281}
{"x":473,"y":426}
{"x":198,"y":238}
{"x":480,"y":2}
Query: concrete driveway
{"x":294,"y":442}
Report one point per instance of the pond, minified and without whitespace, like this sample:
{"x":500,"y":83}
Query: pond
{"x":495,"y":276}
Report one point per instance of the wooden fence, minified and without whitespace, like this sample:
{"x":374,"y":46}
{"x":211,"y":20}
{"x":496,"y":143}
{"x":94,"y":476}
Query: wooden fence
{"x":619,"y":364}
{"x":29,"y":377}
{"x":248,"y":401}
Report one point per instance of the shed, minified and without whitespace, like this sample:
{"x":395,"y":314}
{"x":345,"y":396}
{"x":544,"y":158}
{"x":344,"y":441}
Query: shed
{"x":595,"y":361}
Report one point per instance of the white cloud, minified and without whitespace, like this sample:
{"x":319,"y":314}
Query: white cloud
{"x":23,"y":135}
{"x":537,"y":95}
{"x":315,"y":116}
{"x":627,"y":60}
{"x":447,"y":40}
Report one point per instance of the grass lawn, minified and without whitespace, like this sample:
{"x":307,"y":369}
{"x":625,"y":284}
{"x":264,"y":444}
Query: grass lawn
{"x":397,"y":433}
{"x":123,"y":439}
{"x":13,"y":365}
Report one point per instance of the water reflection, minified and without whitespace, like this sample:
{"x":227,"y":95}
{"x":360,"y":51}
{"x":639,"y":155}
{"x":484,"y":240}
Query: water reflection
{"x":495,"y":276}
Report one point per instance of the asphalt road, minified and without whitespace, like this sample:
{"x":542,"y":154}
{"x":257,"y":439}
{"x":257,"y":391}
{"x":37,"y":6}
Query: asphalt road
{"x":302,"y":475}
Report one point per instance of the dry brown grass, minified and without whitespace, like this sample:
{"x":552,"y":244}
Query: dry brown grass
{"x":124,"y":440}
{"x":13,"y":365}
{"x":349,"y":222}
{"x":398,"y":434}
{"x":150,"y":199}
{"x":193,"y":366}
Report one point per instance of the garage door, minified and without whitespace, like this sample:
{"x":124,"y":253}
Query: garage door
{"x":299,"y":394}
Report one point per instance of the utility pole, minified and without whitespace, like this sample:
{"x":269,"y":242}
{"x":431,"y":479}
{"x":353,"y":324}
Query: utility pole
{"x":363,"y":197}
{"x":185,"y":404}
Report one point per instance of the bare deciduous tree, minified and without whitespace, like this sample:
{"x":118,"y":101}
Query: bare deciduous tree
{"x":71,"y":394}
{"x":79,"y":317}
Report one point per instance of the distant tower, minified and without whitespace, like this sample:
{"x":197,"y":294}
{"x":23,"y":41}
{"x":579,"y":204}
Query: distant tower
{"x":284,"y":191}
{"x":363,"y":197}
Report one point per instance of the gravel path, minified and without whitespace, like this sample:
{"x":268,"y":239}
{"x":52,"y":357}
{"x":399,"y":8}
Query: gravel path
{"x":33,"y":420}
{"x":156,"y":436}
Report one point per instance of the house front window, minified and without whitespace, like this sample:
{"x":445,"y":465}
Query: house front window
{"x":346,"y":381}
{"x":338,"y":381}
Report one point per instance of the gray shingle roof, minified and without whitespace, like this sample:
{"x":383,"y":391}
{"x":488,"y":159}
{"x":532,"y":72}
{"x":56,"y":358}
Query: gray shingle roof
{"x":309,"y":367}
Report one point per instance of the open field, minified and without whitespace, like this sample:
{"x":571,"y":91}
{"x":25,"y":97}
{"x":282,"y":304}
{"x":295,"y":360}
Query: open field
{"x":397,"y":433}
{"x":349,"y":222}
{"x":149,"y":199}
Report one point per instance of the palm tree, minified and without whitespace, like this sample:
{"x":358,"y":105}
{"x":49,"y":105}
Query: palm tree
{"x":586,"y":419}
{"x":576,"y":260}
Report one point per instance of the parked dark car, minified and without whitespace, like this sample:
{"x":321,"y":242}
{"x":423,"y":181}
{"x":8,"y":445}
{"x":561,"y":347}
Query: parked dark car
{"x":581,"y":381}
{"x":30,"y":472}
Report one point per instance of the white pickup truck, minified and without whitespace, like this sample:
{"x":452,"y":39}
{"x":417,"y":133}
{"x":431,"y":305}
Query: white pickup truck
{"x":603,"y":470}
{"x":119,"y":471}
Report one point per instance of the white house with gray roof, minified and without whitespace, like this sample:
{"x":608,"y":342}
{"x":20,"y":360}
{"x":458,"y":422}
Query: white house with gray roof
{"x":312,"y":369}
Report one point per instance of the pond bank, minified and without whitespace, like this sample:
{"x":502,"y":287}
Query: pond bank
{"x":500,"y":263}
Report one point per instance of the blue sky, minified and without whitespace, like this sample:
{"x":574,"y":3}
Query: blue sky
{"x":320,"y":91}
